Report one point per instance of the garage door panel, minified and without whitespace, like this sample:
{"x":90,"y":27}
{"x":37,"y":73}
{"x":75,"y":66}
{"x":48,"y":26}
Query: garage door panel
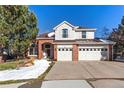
{"x":64,"y":54}
{"x":88,"y":53}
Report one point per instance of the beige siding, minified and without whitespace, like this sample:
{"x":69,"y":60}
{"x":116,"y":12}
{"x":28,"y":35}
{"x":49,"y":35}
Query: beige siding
{"x":72,"y":34}
{"x":58,"y":33}
{"x":90,"y":35}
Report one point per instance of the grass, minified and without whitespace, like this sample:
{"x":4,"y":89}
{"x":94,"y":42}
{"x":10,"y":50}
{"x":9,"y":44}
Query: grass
{"x":12,"y":64}
{"x":8,"y":65}
{"x":12,"y":81}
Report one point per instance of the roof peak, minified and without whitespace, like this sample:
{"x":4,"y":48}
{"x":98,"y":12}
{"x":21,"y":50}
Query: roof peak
{"x":63,"y":23}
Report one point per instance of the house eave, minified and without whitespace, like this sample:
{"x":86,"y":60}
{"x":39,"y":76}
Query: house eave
{"x":94,"y":29}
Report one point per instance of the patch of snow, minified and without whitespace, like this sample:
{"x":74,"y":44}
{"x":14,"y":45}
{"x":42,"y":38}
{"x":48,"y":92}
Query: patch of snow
{"x":107,"y":41}
{"x":32,"y":72}
{"x":51,"y":34}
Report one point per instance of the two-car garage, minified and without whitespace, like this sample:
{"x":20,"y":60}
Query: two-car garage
{"x":65,"y":53}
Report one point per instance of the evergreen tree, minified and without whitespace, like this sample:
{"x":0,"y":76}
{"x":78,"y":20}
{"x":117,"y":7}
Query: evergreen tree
{"x":18,"y":28}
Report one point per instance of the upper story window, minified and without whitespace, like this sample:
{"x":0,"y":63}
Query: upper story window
{"x":65,"y":33}
{"x":84,"y":34}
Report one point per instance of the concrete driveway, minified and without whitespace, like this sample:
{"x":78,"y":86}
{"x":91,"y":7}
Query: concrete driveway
{"x":86,"y":70}
{"x":96,"y":74}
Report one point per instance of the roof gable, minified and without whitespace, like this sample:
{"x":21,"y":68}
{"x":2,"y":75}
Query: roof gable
{"x":64,"y":22}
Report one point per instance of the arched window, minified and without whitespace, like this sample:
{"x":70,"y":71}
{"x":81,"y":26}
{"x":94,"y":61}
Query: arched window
{"x":65,"y":33}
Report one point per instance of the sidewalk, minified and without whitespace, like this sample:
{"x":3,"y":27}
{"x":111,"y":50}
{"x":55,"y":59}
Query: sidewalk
{"x":65,"y":84}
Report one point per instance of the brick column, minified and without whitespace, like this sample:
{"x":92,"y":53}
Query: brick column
{"x":55,"y":52}
{"x":110,"y":52}
{"x":75,"y":53}
{"x":40,"y":52}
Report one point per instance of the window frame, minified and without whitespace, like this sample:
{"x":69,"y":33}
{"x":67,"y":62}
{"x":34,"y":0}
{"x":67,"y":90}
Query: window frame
{"x":65,"y":33}
{"x":34,"y":50}
{"x":83,"y":35}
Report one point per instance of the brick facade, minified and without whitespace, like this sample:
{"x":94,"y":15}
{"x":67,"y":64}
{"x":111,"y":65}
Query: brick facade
{"x":110,"y":53}
{"x":55,"y":52}
{"x":40,"y":42}
{"x":40,"y":49}
{"x":75,"y":53}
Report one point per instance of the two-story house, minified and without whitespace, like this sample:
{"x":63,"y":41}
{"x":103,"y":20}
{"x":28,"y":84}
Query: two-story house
{"x":72,"y":43}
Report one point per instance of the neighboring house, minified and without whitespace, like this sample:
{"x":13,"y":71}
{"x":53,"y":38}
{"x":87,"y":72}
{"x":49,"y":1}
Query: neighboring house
{"x":72,"y":43}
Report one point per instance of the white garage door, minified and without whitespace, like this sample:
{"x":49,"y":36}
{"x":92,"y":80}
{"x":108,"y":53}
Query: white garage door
{"x":93,"y":53}
{"x":64,"y":53}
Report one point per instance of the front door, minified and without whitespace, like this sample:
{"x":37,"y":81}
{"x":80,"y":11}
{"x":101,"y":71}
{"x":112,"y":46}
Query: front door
{"x":48,"y":50}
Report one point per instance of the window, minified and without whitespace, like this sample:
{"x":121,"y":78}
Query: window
{"x":94,"y":49}
{"x":33,"y":51}
{"x":80,"y":49}
{"x":47,"y":46}
{"x":98,"y":49}
{"x":64,"y":33}
{"x":106,"y":49}
{"x":84,"y":34}
{"x":102,"y":49}
{"x":87,"y":49}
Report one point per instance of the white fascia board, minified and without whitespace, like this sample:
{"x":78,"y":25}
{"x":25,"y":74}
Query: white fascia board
{"x":93,"y":29}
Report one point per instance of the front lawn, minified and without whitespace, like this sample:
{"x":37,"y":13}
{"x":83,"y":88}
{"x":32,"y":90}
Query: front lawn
{"x":8,"y":65}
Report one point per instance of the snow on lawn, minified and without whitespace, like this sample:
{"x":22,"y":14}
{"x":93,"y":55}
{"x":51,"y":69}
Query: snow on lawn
{"x":39,"y":67}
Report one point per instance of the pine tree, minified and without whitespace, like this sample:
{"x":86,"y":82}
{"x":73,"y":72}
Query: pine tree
{"x":18,"y":28}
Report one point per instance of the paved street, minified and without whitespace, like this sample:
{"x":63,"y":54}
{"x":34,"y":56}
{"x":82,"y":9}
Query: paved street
{"x":98,"y":74}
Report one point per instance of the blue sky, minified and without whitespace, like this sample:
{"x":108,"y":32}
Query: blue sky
{"x":88,"y":16}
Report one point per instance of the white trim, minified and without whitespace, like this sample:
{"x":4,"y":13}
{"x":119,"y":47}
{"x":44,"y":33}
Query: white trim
{"x":63,"y":23}
{"x":92,"y":29}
